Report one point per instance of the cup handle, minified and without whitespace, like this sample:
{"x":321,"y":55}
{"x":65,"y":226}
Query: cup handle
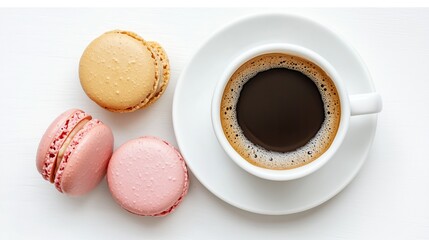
{"x":366,"y":103}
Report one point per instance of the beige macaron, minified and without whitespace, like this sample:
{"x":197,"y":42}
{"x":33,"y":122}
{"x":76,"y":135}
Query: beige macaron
{"x":121,"y":72}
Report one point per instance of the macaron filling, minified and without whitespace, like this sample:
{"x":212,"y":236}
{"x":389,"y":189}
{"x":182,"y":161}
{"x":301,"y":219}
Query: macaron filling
{"x":163,"y":70}
{"x":78,"y":135}
{"x":160,"y":71}
{"x":59,"y":139}
{"x":67,"y":142}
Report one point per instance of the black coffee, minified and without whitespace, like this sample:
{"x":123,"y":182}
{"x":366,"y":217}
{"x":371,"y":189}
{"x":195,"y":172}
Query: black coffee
{"x":280,"y":111}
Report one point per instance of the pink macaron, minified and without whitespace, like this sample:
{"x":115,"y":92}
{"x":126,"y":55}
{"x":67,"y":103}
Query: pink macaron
{"x":74,"y":152}
{"x":147,"y":176}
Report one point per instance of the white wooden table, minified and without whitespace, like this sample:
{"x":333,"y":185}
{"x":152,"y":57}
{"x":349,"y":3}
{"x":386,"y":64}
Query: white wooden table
{"x":39,"y":55}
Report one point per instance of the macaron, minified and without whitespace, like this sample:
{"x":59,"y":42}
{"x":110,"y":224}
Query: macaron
{"x":148,"y":177}
{"x":74,"y":152}
{"x":122,"y":72}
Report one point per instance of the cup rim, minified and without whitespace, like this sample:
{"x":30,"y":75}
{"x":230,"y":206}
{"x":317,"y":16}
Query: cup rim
{"x":286,"y":174}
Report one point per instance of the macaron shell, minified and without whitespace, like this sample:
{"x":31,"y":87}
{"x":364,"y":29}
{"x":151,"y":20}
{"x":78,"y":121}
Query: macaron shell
{"x":147,"y":176}
{"x":118,"y":71}
{"x":62,"y":132}
{"x":164,"y":70}
{"x":88,"y":160}
{"x":48,"y":138}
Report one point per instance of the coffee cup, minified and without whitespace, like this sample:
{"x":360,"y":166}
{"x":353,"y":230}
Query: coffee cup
{"x":281,"y":111}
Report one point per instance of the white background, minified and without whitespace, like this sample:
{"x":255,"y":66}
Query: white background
{"x":39,"y":55}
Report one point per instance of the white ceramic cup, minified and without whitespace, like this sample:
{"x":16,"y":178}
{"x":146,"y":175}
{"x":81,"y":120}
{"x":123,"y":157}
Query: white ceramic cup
{"x":351,"y":105}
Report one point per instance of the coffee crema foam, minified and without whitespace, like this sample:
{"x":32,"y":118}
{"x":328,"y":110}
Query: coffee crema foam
{"x":258,"y":155}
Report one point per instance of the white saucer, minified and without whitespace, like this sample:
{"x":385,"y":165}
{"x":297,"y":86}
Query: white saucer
{"x":199,"y":146}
